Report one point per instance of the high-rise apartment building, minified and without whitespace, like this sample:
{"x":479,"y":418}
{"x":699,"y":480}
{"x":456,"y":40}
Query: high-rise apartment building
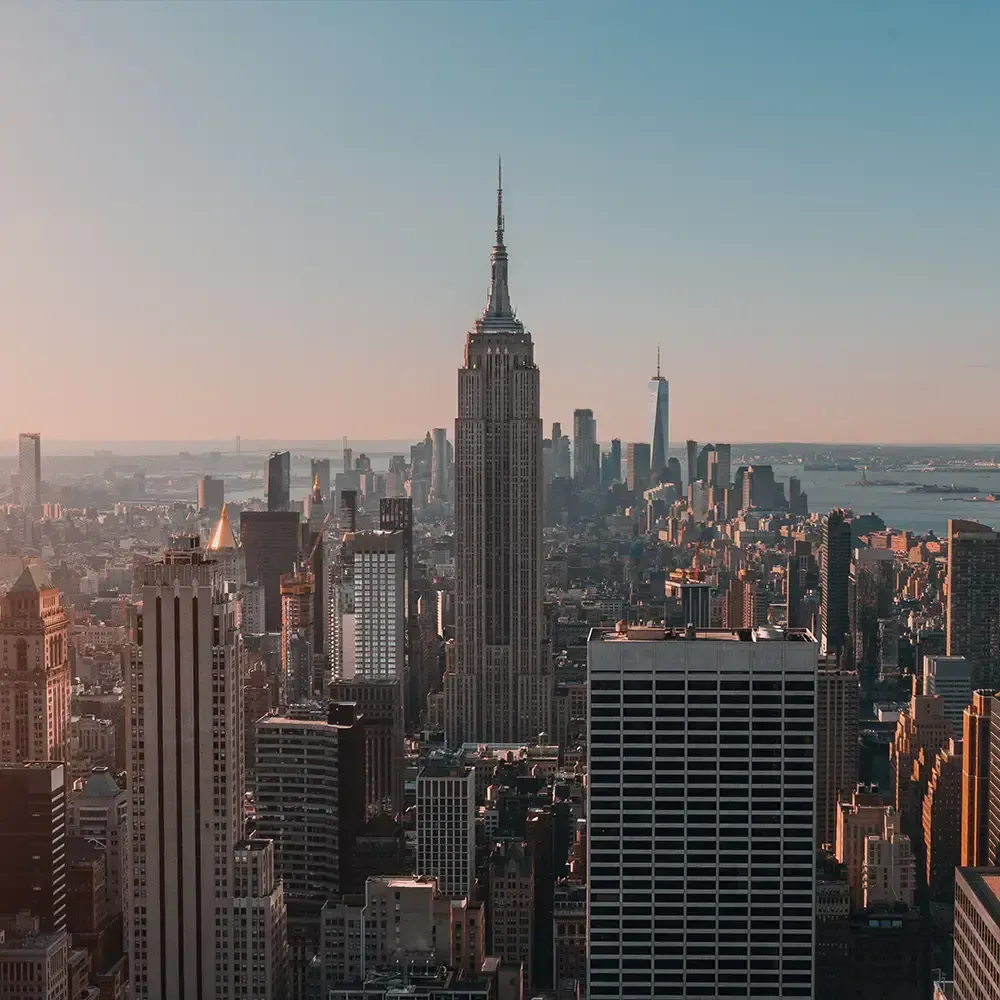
{"x":700,"y":813}
{"x":29,"y":465}
{"x":976,"y":780}
{"x":501,"y":689}
{"x":889,"y":874}
{"x":35,"y":675}
{"x":441,"y":459}
{"x":950,"y":677}
{"x":33,"y":842}
{"x":835,"y":572}
{"x":865,"y":814}
{"x":446,"y":821}
{"x":942,"y":822}
{"x":973,"y":610}
{"x":637,"y":463}
{"x":838,"y":709}
{"x":659,"y":439}
{"x":977,"y":934}
{"x":184,"y":700}
{"x":298,"y":654}
{"x":586,"y":450}
{"x":279,"y":481}
{"x":993,"y":791}
{"x":271,"y":541}
{"x":211,"y":494}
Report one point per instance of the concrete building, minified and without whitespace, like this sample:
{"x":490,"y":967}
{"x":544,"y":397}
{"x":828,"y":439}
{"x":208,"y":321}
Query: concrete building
{"x":34,"y":965}
{"x":441,"y":462}
{"x":586,"y":450}
{"x":637,"y":466}
{"x":942,"y":822}
{"x":835,"y":572}
{"x":569,"y":934}
{"x":511,"y":904}
{"x":838,"y":707}
{"x":29,"y":468}
{"x":211,"y":494}
{"x":35,"y":676}
{"x":977,"y":934}
{"x":33,"y":842}
{"x":501,"y":690}
{"x":260,"y":925}
{"x":889,"y":873}
{"x":973,"y":610}
{"x":446,"y":819}
{"x":298,"y":670}
{"x":184,"y":700}
{"x":865,"y":814}
{"x":950,"y":677}
{"x":976,"y":780}
{"x":674,"y":810}
{"x":279,"y":481}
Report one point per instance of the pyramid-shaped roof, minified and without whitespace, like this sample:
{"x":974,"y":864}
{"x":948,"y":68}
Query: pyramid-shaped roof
{"x":222,"y":534}
{"x":100,"y":784}
{"x":33,"y":580}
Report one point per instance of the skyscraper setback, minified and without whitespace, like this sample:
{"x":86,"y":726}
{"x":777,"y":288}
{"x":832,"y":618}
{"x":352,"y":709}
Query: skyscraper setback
{"x":499,"y":691}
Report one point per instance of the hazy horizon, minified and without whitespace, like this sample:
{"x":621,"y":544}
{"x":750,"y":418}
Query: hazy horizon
{"x":259,"y":217}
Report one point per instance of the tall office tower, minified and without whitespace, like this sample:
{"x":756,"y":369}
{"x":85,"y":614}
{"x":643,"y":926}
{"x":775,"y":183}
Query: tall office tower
{"x":871,"y":587}
{"x":279,"y":481}
{"x":99,"y":811}
{"x":29,"y":464}
{"x":512,"y":897}
{"x":977,"y":934}
{"x":637,"y":459}
{"x":701,"y":463}
{"x":976,"y":779}
{"x":794,"y":572}
{"x":798,"y":502}
{"x":615,"y":459}
{"x":922,"y":726}
{"x":586,"y":450}
{"x":835,"y":575}
{"x":349,"y":510}
{"x":35,"y":676}
{"x":319,"y":468}
{"x":501,"y":687}
{"x":395,"y":514}
{"x":33,"y":841}
{"x":838,"y":709}
{"x":297,"y":649}
{"x":380,"y":705}
{"x":561,"y":453}
{"x":950,"y":677}
{"x":184,"y":697}
{"x":864,"y":814}
{"x":692,"y":461}
{"x":260,"y":925}
{"x":227,"y":552}
{"x":700,"y":813}
{"x":973,"y":614}
{"x":446,"y":821}
{"x":659,"y":439}
{"x":270,"y":542}
{"x":315,"y":553}
{"x":440,"y":464}
{"x":759,"y":488}
{"x":942,"y":822}
{"x":310,"y":803}
{"x":993,"y":790}
{"x":211,"y":494}
{"x":721,"y":466}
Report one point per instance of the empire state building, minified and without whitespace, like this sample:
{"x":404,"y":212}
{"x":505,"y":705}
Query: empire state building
{"x":499,"y":688}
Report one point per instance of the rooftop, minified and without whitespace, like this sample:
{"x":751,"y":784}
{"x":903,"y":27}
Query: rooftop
{"x":33,"y":580}
{"x":647,"y":633}
{"x":984,"y":884}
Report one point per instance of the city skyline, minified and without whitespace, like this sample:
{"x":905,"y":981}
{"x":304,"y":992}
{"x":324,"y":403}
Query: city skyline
{"x":771,"y":217}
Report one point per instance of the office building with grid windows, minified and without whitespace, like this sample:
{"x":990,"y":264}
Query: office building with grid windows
{"x":701,"y":767}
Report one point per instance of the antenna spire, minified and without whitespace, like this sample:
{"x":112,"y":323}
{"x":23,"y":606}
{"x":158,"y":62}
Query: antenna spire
{"x":499,"y":200}
{"x":657,"y":360}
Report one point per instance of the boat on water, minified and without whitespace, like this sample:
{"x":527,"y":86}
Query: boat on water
{"x":989,"y":498}
{"x":935,"y":488}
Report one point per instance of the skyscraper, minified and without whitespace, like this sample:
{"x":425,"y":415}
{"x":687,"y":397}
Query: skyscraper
{"x":692,"y":461}
{"x":440,"y":464}
{"x":586,"y":450}
{"x":637,"y":462}
{"x":29,"y":464}
{"x":446,"y":826}
{"x":976,"y":779}
{"x":838,"y":709}
{"x":977,"y":933}
{"x":500,"y":691}
{"x":836,"y":571}
{"x":659,"y":391}
{"x":319,"y":468}
{"x":973,"y":613}
{"x":270,"y":540}
{"x":184,"y":697}
{"x":211,"y":494}
{"x":297,"y":638}
{"x":950,"y":677}
{"x":279,"y":481}
{"x":35,"y":675}
{"x":701,"y":767}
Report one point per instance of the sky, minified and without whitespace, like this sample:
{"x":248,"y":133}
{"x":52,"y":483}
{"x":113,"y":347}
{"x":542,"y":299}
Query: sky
{"x":274,"y":220}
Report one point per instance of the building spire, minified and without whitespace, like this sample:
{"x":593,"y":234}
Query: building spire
{"x":657,"y":360}
{"x":498,"y":301}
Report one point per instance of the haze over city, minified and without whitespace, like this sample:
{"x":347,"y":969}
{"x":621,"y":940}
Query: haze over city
{"x":295,"y":205}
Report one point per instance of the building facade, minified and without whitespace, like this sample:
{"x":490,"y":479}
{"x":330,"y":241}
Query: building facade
{"x":838,"y":708}
{"x":446,"y":820}
{"x":977,"y":934}
{"x":29,"y":467}
{"x":973,"y":609}
{"x":701,"y":759}
{"x":976,"y":780}
{"x":501,"y":690}
{"x":659,"y":394}
{"x":586,"y":450}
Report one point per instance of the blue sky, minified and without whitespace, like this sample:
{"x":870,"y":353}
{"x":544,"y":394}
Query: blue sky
{"x":275,"y":219}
